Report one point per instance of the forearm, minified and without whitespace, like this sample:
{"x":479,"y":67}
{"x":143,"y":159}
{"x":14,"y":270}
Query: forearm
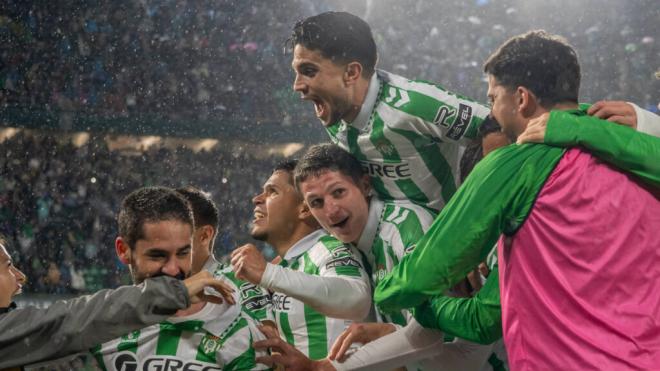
{"x":409,"y":344}
{"x":621,"y":146}
{"x":477,"y":319}
{"x":31,"y":335}
{"x":338,"y":297}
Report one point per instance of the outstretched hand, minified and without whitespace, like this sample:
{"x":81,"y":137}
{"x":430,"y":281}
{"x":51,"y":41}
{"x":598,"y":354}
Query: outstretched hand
{"x":358,"y":333}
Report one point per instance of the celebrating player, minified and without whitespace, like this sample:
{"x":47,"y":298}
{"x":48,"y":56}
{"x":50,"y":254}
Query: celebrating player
{"x":155,"y":238}
{"x":319,"y":281}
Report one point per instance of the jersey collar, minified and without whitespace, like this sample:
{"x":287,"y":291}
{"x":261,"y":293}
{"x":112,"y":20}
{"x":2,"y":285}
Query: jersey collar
{"x":371,"y":228}
{"x":303,"y":245}
{"x":210,"y":264}
{"x":363,"y":116}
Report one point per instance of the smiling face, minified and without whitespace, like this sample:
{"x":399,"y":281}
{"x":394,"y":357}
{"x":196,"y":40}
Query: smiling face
{"x":165,"y":249}
{"x":323,"y":82}
{"x":11,"y":278}
{"x":338,"y":203}
{"x":277,"y":209}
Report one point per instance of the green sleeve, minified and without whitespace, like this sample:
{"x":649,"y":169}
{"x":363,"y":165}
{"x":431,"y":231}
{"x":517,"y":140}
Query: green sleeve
{"x":619,"y":145}
{"x":477,"y":319}
{"x":495,"y":199}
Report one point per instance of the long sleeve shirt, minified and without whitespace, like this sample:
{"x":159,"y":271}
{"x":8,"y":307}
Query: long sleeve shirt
{"x":31,"y":335}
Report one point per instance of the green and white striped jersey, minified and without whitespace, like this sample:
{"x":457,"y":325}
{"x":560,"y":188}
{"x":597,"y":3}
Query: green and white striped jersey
{"x":253,"y":299}
{"x":218,"y":337}
{"x":392,"y":231}
{"x":300,"y":325}
{"x":408,"y":136}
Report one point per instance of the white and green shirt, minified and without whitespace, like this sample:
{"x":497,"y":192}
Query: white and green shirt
{"x":218,"y":337}
{"x":300,"y":325}
{"x":392,"y":231}
{"x":253,"y":299}
{"x":408,"y":136}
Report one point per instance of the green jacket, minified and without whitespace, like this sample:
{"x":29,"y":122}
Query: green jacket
{"x":496,"y":198}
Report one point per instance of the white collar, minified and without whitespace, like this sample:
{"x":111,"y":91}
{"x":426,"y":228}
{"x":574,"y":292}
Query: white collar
{"x":210,"y":264}
{"x":303,"y":245}
{"x":373,"y":220}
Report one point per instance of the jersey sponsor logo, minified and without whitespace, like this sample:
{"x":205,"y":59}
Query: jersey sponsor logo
{"x":127,"y":361}
{"x":345,"y":261}
{"x":391,"y":171}
{"x":281,"y":302}
{"x":443,"y":116}
{"x":253,"y":298}
{"x":461,"y":123}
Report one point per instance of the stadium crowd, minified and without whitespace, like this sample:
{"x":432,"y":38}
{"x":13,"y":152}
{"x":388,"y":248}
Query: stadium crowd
{"x":58,"y":204}
{"x":223,"y":60}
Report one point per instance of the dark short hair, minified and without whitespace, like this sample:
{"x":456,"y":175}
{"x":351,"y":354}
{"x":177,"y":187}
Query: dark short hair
{"x":339,"y":36}
{"x":543,"y":63}
{"x":204,"y":210}
{"x":149,"y":205}
{"x":327,"y":157}
{"x":474,"y":151}
{"x":287,"y":165}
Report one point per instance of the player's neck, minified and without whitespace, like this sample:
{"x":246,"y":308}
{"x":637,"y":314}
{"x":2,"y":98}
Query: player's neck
{"x":360,"y":91}
{"x":300,"y":232}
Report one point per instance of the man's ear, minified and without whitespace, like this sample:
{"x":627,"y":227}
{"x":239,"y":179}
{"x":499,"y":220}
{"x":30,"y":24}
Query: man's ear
{"x":206,"y":233}
{"x":353,"y":73}
{"x":303,"y":211}
{"x":123,"y":251}
{"x":527,"y":101}
{"x":365,"y":185}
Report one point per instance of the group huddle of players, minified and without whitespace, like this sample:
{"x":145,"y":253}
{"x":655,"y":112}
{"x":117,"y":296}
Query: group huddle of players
{"x":374,"y":231}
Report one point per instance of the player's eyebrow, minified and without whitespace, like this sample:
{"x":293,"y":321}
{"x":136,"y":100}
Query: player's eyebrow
{"x":304,"y":65}
{"x":180,"y":249}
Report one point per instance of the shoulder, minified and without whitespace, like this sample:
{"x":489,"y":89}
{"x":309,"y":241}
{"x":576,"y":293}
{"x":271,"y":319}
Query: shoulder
{"x":402,"y":213}
{"x":330,"y":246}
{"x":423,"y":98}
{"x":404,"y":223}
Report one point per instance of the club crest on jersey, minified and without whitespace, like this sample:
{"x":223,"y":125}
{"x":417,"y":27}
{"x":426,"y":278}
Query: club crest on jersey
{"x":385,"y":147}
{"x":211,"y":344}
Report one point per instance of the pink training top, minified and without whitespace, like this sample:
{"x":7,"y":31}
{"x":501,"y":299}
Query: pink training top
{"x":580,"y":281}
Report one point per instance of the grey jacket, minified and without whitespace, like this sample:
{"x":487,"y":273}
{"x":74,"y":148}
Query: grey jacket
{"x":32,"y":335}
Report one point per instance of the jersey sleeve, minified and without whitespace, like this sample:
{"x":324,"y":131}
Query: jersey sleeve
{"x":496,"y":198}
{"x":254,"y":300}
{"x":439,"y":113}
{"x":619,"y":145}
{"x":339,"y":259}
{"x":477,"y":319}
